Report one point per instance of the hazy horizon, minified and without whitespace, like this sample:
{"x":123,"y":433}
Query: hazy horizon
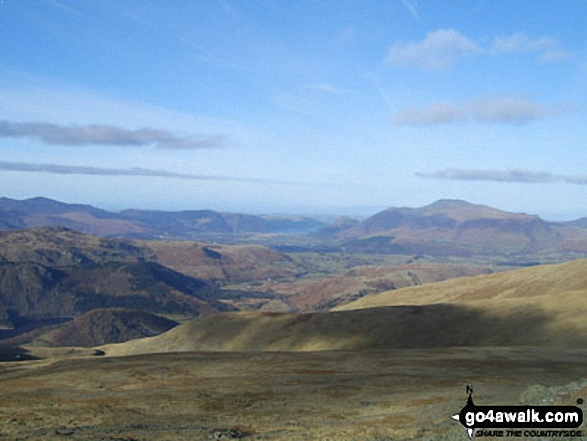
{"x":323,"y":213}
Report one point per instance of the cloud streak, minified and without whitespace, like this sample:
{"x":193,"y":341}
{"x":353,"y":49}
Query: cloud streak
{"x":412,"y":6}
{"x":440,"y":49}
{"x":495,"y":108}
{"x":132,"y":172}
{"x":53,"y":134}
{"x":510,"y":175}
{"x":579,"y":180}
{"x":328,"y":88}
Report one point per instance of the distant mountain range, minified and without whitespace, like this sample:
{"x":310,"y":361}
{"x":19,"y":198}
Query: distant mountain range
{"x":443,"y":228}
{"x":144,"y":224}
{"x":454,"y":227}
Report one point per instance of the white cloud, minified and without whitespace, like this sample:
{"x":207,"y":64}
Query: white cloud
{"x":438,"y":51}
{"x":442,"y":48}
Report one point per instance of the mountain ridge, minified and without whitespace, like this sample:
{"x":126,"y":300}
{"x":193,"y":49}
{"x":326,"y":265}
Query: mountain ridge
{"x":456,"y":227}
{"x":145,"y":224}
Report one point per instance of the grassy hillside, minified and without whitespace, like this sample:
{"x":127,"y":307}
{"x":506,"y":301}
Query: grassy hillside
{"x":305,"y":295}
{"x":540,"y":306}
{"x":547,"y":286}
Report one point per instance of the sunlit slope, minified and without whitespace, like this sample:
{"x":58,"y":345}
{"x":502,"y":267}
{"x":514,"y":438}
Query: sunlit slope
{"x":541,"y":306}
{"x":547,"y":286}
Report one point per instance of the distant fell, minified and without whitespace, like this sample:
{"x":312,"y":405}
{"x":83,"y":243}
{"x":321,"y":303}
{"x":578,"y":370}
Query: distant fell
{"x":38,"y":212}
{"x":455,"y":227}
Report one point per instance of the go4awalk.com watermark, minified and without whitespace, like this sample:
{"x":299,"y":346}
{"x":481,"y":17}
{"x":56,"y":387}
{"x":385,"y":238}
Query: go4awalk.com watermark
{"x":520,"y":421}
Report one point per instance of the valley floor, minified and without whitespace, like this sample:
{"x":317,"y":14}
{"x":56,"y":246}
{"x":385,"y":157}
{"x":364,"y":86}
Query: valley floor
{"x":340,"y":395}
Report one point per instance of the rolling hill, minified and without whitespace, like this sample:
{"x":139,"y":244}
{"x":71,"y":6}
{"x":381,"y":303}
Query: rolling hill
{"x":539,"y":306}
{"x":97,"y":327}
{"x":102,"y":326}
{"x":549,"y":286}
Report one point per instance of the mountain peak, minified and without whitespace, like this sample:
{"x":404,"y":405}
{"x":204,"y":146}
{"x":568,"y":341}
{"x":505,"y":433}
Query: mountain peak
{"x":452,"y":203}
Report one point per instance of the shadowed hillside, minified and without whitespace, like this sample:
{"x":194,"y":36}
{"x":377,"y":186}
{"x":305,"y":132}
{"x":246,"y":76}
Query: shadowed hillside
{"x":102,"y":326}
{"x":377,"y":328}
{"x":48,"y":275}
{"x":540,"y":306}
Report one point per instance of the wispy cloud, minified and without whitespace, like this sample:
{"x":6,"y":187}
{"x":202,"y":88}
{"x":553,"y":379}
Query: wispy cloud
{"x":53,"y":134}
{"x":511,"y":175}
{"x":520,"y":42}
{"x":297,"y":103}
{"x":581,"y":180}
{"x":440,"y":49}
{"x":227,"y":6}
{"x":100,"y":171}
{"x":69,"y":9}
{"x":495,"y":108}
{"x":412,"y":6}
{"x":554,"y":55}
{"x":328,"y":88}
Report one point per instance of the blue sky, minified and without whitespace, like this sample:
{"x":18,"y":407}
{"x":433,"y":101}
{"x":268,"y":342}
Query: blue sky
{"x":306,"y":106}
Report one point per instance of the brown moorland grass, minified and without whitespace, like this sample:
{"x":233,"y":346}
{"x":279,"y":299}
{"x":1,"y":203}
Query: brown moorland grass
{"x":333,"y":395}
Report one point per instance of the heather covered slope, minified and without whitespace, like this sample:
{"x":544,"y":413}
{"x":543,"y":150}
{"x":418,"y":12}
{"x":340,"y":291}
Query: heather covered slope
{"x":54,"y":273}
{"x":222,"y":263}
{"x":541,"y":306}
